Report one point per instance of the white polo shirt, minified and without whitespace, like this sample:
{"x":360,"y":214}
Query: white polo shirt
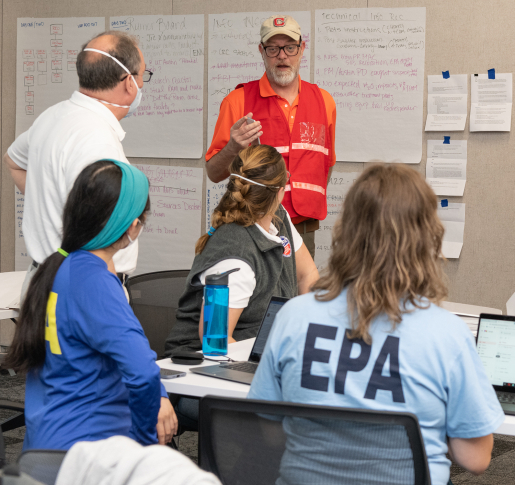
{"x":62,"y":141}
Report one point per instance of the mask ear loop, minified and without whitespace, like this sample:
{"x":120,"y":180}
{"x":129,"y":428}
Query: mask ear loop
{"x":122,"y":66}
{"x":255,"y":183}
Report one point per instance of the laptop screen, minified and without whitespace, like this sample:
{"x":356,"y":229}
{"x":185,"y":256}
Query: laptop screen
{"x":274,"y":306}
{"x":496,"y":349}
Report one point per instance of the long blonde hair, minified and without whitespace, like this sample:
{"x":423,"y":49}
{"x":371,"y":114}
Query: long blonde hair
{"x":386,"y":248}
{"x":244,"y":203}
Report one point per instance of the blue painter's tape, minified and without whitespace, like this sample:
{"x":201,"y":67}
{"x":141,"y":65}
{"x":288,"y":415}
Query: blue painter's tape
{"x":491,"y":73}
{"x":444,"y":202}
{"x":446,"y":74}
{"x":447,"y":140}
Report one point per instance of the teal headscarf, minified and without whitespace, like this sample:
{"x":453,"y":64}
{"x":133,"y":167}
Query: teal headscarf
{"x":131,"y":202}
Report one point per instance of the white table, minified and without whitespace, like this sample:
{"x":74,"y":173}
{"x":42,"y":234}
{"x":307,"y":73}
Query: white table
{"x":469,"y":313}
{"x":199,"y":386}
{"x":10,"y":290}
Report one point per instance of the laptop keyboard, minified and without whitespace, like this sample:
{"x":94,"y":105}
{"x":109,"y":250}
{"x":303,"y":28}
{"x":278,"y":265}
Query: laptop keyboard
{"x":248,"y":367}
{"x":506,"y":397}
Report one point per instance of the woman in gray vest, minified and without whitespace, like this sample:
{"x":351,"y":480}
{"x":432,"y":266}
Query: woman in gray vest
{"x":251,"y":231}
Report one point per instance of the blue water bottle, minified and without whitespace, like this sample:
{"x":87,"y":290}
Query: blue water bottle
{"x":216,"y":313}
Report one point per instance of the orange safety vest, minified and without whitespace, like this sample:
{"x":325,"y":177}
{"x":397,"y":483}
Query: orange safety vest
{"x":306,"y":150}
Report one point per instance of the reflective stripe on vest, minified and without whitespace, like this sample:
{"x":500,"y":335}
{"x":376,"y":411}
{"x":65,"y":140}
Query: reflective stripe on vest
{"x":283,"y":149}
{"x":306,"y":186}
{"x":308,"y":146}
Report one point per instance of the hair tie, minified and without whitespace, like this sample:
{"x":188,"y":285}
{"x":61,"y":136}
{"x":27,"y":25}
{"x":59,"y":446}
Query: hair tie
{"x":211,"y":231}
{"x":63,"y":252}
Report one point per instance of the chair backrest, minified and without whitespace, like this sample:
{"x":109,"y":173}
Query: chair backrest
{"x":154,"y":298}
{"x":42,"y":465}
{"x":249,"y":442}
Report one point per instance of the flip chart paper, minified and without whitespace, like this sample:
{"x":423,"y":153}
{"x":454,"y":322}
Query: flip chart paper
{"x":446,"y":103}
{"x":46,"y":53}
{"x":21,"y":256}
{"x":339,"y":185}
{"x":234,"y":57}
{"x":214,"y":193}
{"x":446,"y":168}
{"x":491,"y":102}
{"x":173,"y":227}
{"x":453,"y":220}
{"x":168,"y":123}
{"x":371,"y":60}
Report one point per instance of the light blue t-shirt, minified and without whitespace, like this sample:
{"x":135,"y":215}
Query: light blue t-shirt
{"x":427,"y":366}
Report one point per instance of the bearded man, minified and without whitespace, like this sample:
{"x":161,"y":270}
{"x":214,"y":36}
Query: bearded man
{"x":294,"y":116}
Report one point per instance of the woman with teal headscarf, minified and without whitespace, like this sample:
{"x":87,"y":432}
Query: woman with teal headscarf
{"x":90,"y":371}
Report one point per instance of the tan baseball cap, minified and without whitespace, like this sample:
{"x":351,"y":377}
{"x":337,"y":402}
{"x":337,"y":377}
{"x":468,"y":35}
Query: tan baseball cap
{"x":280,"y":24}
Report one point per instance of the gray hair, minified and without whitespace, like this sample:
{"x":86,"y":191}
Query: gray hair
{"x":97,"y":72}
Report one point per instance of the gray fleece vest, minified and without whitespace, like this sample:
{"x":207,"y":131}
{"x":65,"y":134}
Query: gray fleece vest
{"x":275,"y":273}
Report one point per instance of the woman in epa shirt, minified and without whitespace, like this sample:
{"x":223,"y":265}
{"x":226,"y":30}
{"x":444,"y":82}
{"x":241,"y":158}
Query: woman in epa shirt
{"x":371,"y":336}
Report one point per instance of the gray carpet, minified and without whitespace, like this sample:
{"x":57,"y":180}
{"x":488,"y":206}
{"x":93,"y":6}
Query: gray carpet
{"x":500,"y":472}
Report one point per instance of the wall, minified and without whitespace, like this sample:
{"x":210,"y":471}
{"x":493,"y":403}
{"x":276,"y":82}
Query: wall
{"x":464,"y":36}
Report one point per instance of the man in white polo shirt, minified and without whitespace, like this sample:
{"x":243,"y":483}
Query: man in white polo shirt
{"x":45,"y":160}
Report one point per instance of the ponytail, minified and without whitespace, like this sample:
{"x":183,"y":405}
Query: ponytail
{"x":27,"y":350}
{"x":251,"y":194}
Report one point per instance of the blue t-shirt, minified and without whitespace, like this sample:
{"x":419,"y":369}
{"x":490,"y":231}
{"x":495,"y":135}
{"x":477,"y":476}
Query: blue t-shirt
{"x":99,"y":378}
{"x":427,"y":366}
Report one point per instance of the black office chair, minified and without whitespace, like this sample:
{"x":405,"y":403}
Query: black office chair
{"x":42,"y":465}
{"x":16,"y":420}
{"x":252,"y":442}
{"x":154,"y":298}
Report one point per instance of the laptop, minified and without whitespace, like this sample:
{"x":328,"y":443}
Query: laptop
{"x":243,"y":372}
{"x":495,"y":342}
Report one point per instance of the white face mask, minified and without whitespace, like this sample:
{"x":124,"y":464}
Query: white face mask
{"x":137,"y":100}
{"x":132,"y":241}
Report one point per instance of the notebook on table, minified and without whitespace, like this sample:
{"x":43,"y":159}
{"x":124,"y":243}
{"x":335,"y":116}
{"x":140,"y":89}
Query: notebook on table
{"x":243,"y":372}
{"x":495,"y":342}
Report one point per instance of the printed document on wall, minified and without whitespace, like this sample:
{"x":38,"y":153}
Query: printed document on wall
{"x":446,"y":168}
{"x":337,"y":188}
{"x":234,"y":57}
{"x":46,"y":54}
{"x":168,"y":122}
{"x":173,"y":227}
{"x":21,"y":256}
{"x":446,"y":103}
{"x":453,"y":220}
{"x":371,"y":60}
{"x":491,"y":101}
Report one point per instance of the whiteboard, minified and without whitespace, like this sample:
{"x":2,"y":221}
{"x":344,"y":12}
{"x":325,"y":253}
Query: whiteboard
{"x":371,"y":60}
{"x":168,"y":122}
{"x":46,"y":53}
{"x":168,"y":239}
{"x":234,"y":57}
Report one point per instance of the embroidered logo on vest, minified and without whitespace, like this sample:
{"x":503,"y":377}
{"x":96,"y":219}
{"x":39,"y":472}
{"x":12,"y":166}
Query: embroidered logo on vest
{"x":279,"y":22}
{"x":286,"y":247}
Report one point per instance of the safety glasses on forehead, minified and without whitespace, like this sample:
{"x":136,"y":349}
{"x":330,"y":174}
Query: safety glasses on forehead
{"x":261,"y":185}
